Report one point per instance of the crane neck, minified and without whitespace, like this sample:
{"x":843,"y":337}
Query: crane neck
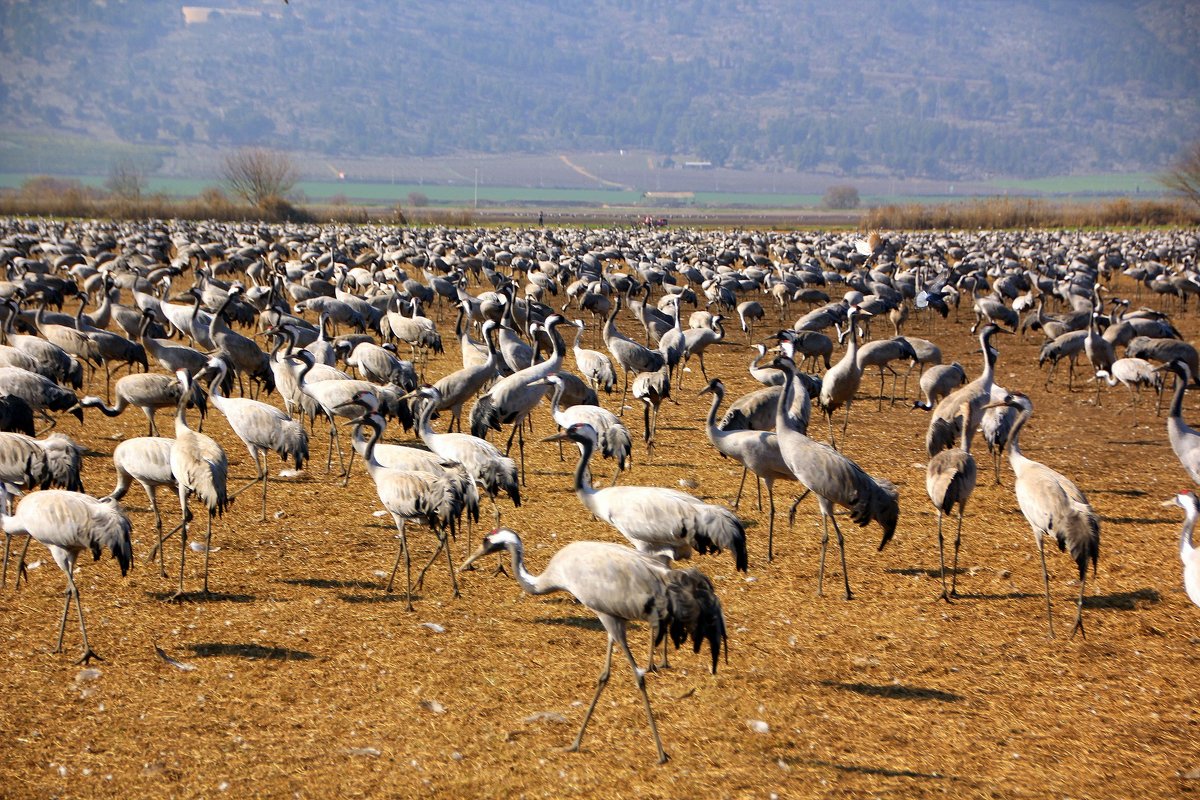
{"x":1014,"y":445}
{"x":556,"y":397}
{"x":368,"y":451}
{"x":710,"y":423}
{"x":1185,"y":536}
{"x":424,"y":412}
{"x":793,"y":390}
{"x":1176,"y":409}
{"x":530,"y":583}
{"x":583,"y":482}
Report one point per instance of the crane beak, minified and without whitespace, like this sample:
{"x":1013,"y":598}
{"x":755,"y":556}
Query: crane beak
{"x":471,"y":559}
{"x":1168,"y":503}
{"x":558,"y":437}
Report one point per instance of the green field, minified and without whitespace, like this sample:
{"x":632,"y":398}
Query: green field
{"x":380,"y":194}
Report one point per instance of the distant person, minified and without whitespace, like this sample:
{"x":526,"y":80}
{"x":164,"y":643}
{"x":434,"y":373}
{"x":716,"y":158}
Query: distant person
{"x":541,"y":220}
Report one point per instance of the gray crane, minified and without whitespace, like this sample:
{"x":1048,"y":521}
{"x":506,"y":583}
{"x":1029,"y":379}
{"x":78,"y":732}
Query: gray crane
{"x":68,"y":523}
{"x":1053,"y":505}
{"x":261,"y":427}
{"x":756,"y":451}
{"x":201,"y":468}
{"x":148,"y":391}
{"x":949,"y":482}
{"x":620,"y":586}
{"x":657,"y":521}
{"x":697,"y":340}
{"x":840,"y":382}
{"x":880,"y":354}
{"x":147,"y":460}
{"x":490,"y":468}
{"x":409,"y":496}
{"x":633,"y":357}
{"x":831,"y":476}
{"x":947,"y":423}
{"x":512,"y":399}
{"x":459,"y":386}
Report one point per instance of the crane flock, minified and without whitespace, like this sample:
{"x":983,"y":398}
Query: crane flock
{"x":377,"y":285}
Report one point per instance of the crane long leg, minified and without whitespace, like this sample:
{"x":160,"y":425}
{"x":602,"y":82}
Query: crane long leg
{"x":738,"y":499}
{"x":1046,"y":581}
{"x":824,"y":545}
{"x":349,"y":467}
{"x":88,"y":652}
{"x":640,"y":678}
{"x":182,"y":541}
{"x":601,"y":682}
{"x":21,"y":571}
{"x":842,"y":549}
{"x":207,"y":550}
{"x":62,"y":625}
{"x":407,"y":567}
{"x":942,"y":557}
{"x":771,"y":525}
{"x":957,"y":544}
{"x":625,"y":391}
{"x":758,"y":490}
{"x":153,"y":492}
{"x":1079,"y":608}
{"x":879,"y":406}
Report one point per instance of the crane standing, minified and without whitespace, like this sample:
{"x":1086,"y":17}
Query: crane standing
{"x":619,"y":586}
{"x":201,"y":468}
{"x":1052,"y":504}
{"x":68,"y":523}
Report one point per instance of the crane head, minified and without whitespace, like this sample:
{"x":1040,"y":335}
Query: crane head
{"x":499,"y":539}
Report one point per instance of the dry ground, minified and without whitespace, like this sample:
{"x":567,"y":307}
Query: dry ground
{"x":310,"y":681}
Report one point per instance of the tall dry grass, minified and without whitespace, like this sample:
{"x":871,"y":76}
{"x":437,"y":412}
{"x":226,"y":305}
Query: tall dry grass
{"x":1005,"y":212}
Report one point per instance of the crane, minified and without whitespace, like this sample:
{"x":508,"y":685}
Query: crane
{"x":147,"y":460}
{"x":615,"y":441}
{"x":946,"y":423}
{"x":619,"y":586}
{"x":1052,"y":504}
{"x":261,"y":427}
{"x":841,"y":381}
{"x":828,"y":474}
{"x":511,"y":399}
{"x":1185,"y":441}
{"x":408,"y":495}
{"x":949,"y":481}
{"x":68,"y":523}
{"x":657,"y":521}
{"x":148,"y":391}
{"x":491,"y":469}
{"x":632,"y":356}
{"x":201,"y":468}
{"x":756,"y":451}
{"x":1188,"y":553}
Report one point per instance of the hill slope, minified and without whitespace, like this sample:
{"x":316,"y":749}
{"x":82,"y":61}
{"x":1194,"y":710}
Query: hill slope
{"x":937,"y":89}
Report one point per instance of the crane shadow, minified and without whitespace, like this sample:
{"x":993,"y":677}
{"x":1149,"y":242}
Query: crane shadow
{"x":928,"y":572}
{"x":201,"y":597}
{"x":1008,"y":596}
{"x":328,"y":583}
{"x":587,"y":623}
{"x":379,"y":597}
{"x":254,"y":652}
{"x":1137,"y":520}
{"x":895,"y":691}
{"x":1123,"y":601}
{"x":1121,"y":492}
{"x":862,"y":770}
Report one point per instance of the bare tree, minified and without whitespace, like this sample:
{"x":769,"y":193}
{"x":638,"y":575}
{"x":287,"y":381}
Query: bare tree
{"x":258,"y":176}
{"x":1184,"y":175}
{"x":126,"y":181}
{"x":841,"y":196}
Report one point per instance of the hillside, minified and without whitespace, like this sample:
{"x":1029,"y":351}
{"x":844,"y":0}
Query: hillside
{"x":923,"y":88}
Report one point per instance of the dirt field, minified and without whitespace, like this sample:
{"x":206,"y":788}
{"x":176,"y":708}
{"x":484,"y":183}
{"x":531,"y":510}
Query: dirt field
{"x":310,"y":681}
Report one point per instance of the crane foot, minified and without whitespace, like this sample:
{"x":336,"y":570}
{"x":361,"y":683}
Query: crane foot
{"x":88,"y":655}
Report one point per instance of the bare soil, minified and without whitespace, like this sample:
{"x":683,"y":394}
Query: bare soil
{"x":310,"y":680}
